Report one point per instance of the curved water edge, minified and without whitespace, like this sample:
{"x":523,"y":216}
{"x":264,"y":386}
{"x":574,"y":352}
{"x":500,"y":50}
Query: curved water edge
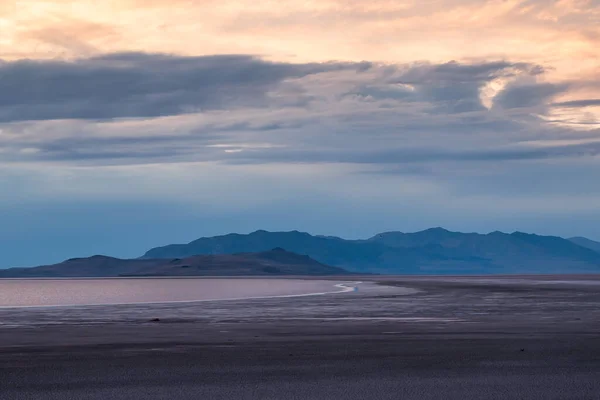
{"x":289,"y":289}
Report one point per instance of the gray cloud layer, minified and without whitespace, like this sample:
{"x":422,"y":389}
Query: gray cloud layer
{"x":141,"y":85}
{"x":244,"y":110}
{"x":578,"y":103}
{"x":151,"y":85}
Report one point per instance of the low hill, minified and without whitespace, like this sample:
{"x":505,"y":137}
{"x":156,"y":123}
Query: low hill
{"x":272,"y":262}
{"x":433,"y":251}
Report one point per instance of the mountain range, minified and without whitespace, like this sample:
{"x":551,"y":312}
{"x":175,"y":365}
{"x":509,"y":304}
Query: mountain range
{"x":273,"y":262}
{"x":432,"y":251}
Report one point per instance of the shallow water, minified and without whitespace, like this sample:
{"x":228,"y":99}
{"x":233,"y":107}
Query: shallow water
{"x":72,"y":292}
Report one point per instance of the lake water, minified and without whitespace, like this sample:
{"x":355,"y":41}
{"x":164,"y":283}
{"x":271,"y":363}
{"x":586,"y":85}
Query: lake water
{"x":73,"y":292}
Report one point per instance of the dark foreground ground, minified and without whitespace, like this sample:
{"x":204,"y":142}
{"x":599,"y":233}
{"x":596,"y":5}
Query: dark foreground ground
{"x":467,"y":338}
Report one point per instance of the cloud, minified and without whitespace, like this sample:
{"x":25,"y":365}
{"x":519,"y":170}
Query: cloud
{"x":528,"y":95}
{"x":559,"y":33}
{"x":77,"y":38}
{"x":136,"y":85}
{"x":450,"y":87}
{"x":142,"y":85}
{"x":401,"y":156}
{"x":578,"y":103}
{"x":132,"y":109}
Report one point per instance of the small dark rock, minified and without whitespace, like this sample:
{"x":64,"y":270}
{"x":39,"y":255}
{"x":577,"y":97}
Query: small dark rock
{"x":522,"y":349}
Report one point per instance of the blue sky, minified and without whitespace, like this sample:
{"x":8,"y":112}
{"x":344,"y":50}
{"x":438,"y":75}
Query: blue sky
{"x":169,"y":123}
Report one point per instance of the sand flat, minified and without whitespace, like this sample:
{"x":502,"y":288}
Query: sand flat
{"x":408,"y":338}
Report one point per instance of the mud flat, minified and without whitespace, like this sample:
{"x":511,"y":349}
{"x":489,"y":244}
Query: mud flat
{"x":394,"y":338}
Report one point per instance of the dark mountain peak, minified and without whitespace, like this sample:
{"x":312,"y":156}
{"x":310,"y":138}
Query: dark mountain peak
{"x":328,"y":237}
{"x":229,"y":235}
{"x":299,"y":233}
{"x":97,"y":257}
{"x":437,"y":229}
{"x":264,"y":232}
{"x":100,"y":257}
{"x":575,"y":238}
{"x":534,"y":235}
{"x":388,"y":234}
{"x":219,"y":237}
{"x":437,"y":232}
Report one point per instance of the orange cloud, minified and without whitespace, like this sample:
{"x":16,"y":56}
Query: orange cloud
{"x":395,"y":31}
{"x":562,"y":35}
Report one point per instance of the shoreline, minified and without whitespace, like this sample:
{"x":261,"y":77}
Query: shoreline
{"x":342,"y":286}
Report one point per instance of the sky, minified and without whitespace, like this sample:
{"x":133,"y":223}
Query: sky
{"x":128,"y":124}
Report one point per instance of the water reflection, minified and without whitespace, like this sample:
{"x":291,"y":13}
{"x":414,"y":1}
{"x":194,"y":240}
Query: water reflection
{"x":56,"y":292}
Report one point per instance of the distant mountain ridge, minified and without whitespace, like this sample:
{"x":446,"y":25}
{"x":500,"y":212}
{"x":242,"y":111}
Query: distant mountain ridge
{"x":432,"y":251}
{"x":273,"y":262}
